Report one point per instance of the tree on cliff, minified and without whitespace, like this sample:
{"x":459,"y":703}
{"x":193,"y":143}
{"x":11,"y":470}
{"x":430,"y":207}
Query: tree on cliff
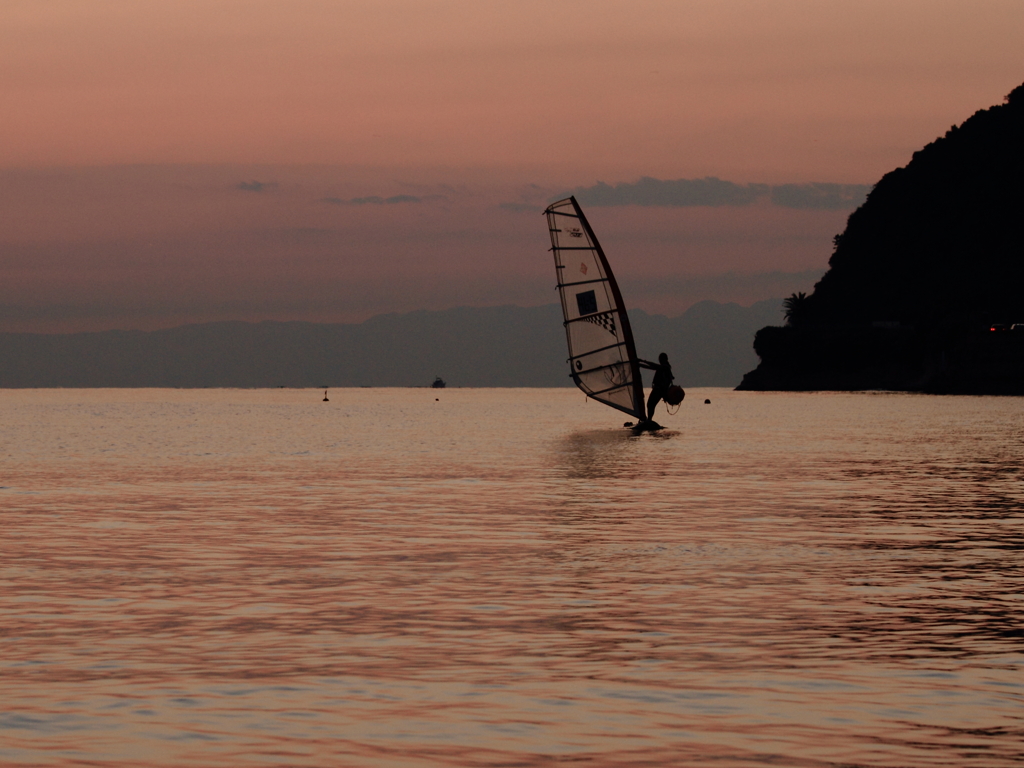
{"x":795,"y":308}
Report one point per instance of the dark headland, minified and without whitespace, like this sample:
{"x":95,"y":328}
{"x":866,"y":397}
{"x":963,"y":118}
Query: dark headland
{"x":925,"y":288}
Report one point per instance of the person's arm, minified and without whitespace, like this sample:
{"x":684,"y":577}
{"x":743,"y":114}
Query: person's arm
{"x":648,"y":364}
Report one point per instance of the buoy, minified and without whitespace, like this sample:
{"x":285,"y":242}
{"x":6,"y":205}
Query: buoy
{"x":325,"y":397}
{"x":707,"y":402}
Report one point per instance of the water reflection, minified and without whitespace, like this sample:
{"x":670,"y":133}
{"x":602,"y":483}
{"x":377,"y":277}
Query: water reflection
{"x":597,"y":454}
{"x":795,"y":580}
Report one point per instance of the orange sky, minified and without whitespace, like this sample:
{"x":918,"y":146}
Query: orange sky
{"x":322,"y":99}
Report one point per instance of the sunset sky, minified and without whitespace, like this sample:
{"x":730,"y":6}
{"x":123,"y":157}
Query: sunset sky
{"x":172,"y":162}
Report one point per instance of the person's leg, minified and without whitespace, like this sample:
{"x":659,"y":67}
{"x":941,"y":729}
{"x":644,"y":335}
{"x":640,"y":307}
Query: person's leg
{"x":652,"y":403}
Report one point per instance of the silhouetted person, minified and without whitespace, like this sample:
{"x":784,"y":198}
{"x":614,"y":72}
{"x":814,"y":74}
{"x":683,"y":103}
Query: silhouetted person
{"x":662,"y":381}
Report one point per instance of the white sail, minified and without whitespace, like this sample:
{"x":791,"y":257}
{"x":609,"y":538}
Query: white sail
{"x":602,"y":356}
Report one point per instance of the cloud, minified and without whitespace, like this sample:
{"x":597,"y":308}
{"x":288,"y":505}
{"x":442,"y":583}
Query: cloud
{"x":255,"y":186}
{"x":681,"y":192}
{"x":714,"y":192}
{"x":820,"y":196}
{"x":744,"y":288}
{"x":373,"y":200}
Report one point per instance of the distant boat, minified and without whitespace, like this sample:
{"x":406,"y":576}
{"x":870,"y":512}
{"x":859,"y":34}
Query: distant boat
{"x":602,"y":356}
{"x":438,"y":383}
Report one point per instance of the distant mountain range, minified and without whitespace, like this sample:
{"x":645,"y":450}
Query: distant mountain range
{"x":709,"y":345}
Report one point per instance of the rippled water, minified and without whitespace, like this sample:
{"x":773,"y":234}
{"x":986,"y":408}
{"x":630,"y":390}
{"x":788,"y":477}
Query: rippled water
{"x":501,"y":577}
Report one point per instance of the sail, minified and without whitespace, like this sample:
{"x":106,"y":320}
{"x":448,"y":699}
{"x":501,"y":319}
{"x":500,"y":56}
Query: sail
{"x":602,"y":356}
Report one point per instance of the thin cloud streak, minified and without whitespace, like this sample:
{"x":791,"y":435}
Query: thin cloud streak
{"x":715,"y":192}
{"x":255,"y":186}
{"x":374,"y":200}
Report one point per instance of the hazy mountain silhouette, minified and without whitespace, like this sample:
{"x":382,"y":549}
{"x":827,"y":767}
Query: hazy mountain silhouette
{"x":473,"y":347}
{"x":926,"y":266}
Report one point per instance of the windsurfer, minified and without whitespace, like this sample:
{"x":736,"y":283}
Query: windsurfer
{"x":662,"y":381}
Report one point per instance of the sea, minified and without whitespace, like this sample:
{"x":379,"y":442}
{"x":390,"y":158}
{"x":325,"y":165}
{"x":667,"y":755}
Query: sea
{"x":508,"y":577}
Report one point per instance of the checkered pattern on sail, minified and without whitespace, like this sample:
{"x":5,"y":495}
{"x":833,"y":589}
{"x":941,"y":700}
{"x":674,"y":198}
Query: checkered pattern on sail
{"x":606,"y":320}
